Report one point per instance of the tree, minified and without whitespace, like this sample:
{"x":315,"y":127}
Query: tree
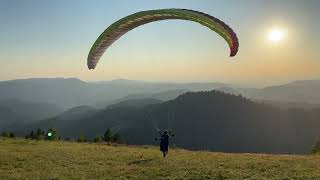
{"x":108,"y":135}
{"x":4,"y":134}
{"x":39,"y":134}
{"x":116,"y":138}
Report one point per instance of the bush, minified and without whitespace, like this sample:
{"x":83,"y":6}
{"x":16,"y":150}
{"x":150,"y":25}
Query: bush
{"x":316,"y":147}
{"x":11,"y":135}
{"x":4,"y":134}
{"x":68,"y":139}
{"x":27,"y":136}
{"x":116,"y":138}
{"x":98,"y":139}
{"x":82,"y":139}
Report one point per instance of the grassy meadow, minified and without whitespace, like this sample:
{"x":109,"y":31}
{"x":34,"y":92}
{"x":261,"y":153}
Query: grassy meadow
{"x":30,"y":159}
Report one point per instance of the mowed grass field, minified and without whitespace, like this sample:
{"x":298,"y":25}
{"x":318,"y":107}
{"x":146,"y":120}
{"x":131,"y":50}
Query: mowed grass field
{"x":28,"y":159}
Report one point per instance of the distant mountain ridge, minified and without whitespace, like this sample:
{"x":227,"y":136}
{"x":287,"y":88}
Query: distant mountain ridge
{"x":306,"y":91}
{"x":28,"y":100}
{"x":71,"y":92}
{"x":135,"y":103}
{"x":161,"y":96}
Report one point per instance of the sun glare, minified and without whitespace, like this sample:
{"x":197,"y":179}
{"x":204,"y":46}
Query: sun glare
{"x":276,"y":35}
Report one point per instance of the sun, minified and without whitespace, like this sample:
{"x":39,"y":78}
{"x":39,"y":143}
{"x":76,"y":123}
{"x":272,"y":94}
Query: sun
{"x":276,"y":35}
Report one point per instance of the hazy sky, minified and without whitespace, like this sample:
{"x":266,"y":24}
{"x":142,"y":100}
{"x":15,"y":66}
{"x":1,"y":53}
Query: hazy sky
{"x":42,"y":38}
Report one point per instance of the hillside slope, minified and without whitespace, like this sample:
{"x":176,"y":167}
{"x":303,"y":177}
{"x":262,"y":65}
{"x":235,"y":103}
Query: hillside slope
{"x":202,"y":121}
{"x":22,"y":159}
{"x":15,"y":113}
{"x":298,"y":91}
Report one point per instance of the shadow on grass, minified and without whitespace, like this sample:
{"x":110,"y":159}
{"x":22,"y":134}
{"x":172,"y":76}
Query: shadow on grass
{"x":143,"y":161}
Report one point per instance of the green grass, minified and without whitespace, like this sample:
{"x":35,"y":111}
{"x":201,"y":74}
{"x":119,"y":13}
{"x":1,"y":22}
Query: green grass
{"x":26,"y":159}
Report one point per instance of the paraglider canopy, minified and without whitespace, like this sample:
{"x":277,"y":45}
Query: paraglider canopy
{"x":122,"y":26}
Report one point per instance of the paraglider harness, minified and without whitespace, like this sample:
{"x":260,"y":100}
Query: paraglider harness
{"x":165,"y":136}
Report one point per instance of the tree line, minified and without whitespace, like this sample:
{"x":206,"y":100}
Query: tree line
{"x":108,"y":136}
{"x":8,"y":134}
{"x":52,"y":134}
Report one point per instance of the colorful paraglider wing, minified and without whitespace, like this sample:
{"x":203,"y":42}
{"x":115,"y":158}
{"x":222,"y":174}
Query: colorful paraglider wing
{"x":122,"y":26}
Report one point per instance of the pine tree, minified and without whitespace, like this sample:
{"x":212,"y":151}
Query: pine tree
{"x":39,"y":134}
{"x":108,"y":135}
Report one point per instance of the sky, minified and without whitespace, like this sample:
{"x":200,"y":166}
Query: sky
{"x":43,"y":38}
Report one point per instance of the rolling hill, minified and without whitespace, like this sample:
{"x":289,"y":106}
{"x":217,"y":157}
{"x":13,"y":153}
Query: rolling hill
{"x":135,"y":103}
{"x":160,"y":96}
{"x":16,"y":113}
{"x":299,"y":91}
{"x":202,"y":121}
